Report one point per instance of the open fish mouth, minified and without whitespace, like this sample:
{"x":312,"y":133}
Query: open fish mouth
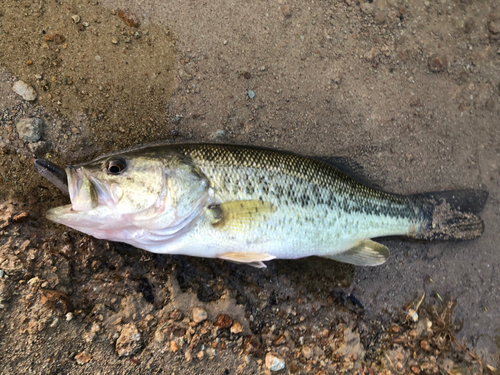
{"x":72,"y":181}
{"x":82,"y":192}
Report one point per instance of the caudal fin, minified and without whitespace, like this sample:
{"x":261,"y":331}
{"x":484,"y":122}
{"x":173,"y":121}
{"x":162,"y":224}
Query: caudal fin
{"x":451,"y":215}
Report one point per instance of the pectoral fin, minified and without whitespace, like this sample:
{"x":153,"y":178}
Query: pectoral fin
{"x":252,"y":259}
{"x":241,"y":215}
{"x":364,"y":253}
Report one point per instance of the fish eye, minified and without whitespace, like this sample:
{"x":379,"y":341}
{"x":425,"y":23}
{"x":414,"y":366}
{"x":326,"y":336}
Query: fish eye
{"x":116,"y":167}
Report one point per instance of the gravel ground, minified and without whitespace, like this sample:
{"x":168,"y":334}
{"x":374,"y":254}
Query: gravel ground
{"x":408,"y":89}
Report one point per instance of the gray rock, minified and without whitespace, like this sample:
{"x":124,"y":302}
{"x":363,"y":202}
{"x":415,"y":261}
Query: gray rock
{"x":274,"y":362}
{"x":26,"y":91}
{"x":30,"y":129}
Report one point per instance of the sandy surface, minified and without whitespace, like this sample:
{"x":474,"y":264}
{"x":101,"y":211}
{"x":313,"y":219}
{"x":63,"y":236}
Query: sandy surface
{"x":408,"y":89}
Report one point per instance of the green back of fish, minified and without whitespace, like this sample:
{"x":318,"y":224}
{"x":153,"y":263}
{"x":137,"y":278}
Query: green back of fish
{"x":255,"y":173}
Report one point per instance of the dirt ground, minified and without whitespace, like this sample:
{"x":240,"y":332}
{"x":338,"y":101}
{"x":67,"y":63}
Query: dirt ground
{"x":407,"y":88}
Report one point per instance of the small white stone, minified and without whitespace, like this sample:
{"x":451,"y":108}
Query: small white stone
{"x":26,"y":91}
{"x":198,"y":315}
{"x":69,"y":316}
{"x":76,"y":18}
{"x":274,"y":362}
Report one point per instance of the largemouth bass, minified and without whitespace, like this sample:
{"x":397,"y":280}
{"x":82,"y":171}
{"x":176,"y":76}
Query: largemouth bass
{"x":250,"y":205}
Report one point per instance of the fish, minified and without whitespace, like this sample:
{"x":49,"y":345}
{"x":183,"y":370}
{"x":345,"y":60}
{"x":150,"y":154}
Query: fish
{"x":250,"y":205}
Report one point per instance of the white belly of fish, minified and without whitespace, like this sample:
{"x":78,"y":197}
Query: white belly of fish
{"x":283,"y":236}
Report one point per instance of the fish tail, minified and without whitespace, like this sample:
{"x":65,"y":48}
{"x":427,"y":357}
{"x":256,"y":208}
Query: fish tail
{"x":451,"y":215}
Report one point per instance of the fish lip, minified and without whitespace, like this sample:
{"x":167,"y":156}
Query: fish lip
{"x":58,"y":214}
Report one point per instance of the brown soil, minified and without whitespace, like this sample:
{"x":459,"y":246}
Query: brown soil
{"x":409,"y":89}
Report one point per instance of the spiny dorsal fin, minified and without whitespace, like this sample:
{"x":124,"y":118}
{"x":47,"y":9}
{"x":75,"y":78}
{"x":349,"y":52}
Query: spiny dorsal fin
{"x":364,"y":253}
{"x":252,"y":259}
{"x":241,"y":215}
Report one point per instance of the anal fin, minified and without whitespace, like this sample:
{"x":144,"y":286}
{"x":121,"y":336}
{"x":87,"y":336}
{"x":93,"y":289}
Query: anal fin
{"x":363,"y":253}
{"x":252,"y":259}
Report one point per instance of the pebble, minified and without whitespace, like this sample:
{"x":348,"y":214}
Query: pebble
{"x":30,"y":129}
{"x":24,"y":90}
{"x":280,"y":340}
{"x":69,"y":316}
{"x":82,"y":358}
{"x":251,"y":94}
{"x":424,"y":344}
{"x":437,"y":63}
{"x":251,"y":345}
{"x":236,"y":328}
{"x":20,"y":217}
{"x":307,"y":352}
{"x":76,"y":18}
{"x":216,"y":135}
{"x":114,"y":41}
{"x":490,"y":105}
{"x":129,"y":341}
{"x":173,"y":346}
{"x":285,"y":9}
{"x":175,"y":315}
{"x":367,"y":8}
{"x":274,"y":362}
{"x":223,"y":321}
{"x":37,"y":147}
{"x":494,"y":27}
{"x":198,"y":315}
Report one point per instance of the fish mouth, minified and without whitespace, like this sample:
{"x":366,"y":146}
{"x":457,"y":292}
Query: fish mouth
{"x":83,"y":195}
{"x":84,"y":210}
{"x":73,"y":181}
